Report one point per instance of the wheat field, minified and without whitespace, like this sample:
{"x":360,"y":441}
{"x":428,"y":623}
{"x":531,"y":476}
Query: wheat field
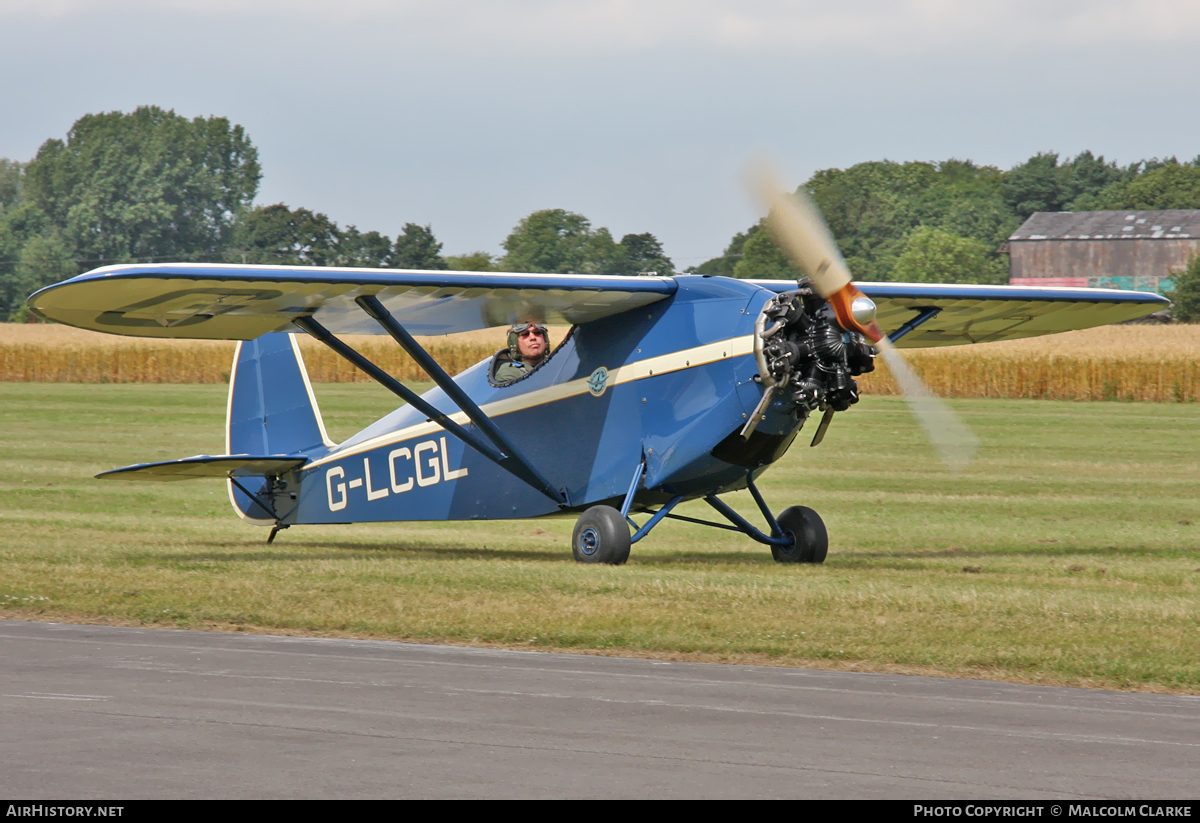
{"x":1156,"y":363}
{"x":44,"y":353}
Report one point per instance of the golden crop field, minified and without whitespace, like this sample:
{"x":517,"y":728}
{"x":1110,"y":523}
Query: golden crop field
{"x":44,"y":353}
{"x":1159,"y":363}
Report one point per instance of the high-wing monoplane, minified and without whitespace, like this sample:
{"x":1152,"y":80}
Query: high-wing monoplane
{"x":666,"y":389}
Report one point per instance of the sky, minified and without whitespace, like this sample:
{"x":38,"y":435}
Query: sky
{"x":468,"y":115}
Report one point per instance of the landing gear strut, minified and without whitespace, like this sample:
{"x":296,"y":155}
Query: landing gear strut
{"x":602,"y":533}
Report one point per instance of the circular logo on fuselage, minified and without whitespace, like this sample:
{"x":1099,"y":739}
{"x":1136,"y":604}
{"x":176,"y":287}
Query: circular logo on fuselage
{"x":598,"y":382}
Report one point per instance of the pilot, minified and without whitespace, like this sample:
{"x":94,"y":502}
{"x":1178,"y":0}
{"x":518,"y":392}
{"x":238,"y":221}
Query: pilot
{"x":528,"y":348}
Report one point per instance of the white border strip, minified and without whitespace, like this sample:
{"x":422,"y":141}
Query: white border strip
{"x":312,"y":398}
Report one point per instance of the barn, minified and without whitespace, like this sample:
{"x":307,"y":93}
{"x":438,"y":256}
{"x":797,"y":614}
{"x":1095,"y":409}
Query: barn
{"x":1136,"y":250}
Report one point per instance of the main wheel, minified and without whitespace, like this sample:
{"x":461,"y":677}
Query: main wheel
{"x":601,"y":536}
{"x":810,"y":540}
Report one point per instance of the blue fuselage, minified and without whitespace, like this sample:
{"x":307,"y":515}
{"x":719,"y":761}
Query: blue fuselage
{"x":665,"y":384}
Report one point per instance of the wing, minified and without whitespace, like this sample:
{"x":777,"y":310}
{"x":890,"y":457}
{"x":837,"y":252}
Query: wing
{"x":223,"y":302}
{"x":950,"y":315}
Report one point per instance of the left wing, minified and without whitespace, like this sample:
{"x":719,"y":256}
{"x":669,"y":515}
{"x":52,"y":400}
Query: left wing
{"x":951,"y":315}
{"x":224,"y":302}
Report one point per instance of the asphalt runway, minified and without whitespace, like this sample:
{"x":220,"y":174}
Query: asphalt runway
{"x":94,"y":712}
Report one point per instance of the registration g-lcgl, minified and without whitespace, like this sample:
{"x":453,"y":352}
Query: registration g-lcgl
{"x":423,"y":465}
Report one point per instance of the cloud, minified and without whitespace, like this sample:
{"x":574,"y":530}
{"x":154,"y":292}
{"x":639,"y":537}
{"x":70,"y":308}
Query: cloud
{"x":604,"y":27}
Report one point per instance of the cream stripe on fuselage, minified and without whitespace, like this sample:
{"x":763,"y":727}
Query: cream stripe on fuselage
{"x":640,"y":370}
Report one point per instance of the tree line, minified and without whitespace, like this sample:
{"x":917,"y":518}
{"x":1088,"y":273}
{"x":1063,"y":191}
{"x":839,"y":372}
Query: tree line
{"x":154,"y":186}
{"x":948,"y":221}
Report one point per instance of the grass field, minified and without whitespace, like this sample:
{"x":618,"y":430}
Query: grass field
{"x":1067,"y":553}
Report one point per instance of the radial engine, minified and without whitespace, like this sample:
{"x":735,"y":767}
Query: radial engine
{"x":805,"y":359}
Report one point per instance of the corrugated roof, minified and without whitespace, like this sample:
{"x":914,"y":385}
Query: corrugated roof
{"x":1110,"y":225}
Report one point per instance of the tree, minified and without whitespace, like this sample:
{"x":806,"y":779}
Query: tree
{"x":472,"y":261}
{"x":12,"y":176}
{"x":44,"y":259}
{"x":968,"y":200}
{"x":1186,"y":293}
{"x":146,"y":185}
{"x":637,"y":253}
{"x":936,"y":256}
{"x":1038,"y":184}
{"x":763,"y":259}
{"x":1170,"y":185}
{"x":556,"y":240}
{"x":417,"y":248}
{"x":353,"y":248}
{"x":276,"y":234}
{"x":873,"y":208}
{"x":1090,"y":175}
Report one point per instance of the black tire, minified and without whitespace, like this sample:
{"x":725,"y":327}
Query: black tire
{"x":810,"y":540}
{"x":601,"y":536}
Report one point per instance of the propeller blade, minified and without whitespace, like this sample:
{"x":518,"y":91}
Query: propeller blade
{"x":800,"y":229}
{"x":802,"y":232}
{"x":955,"y":443}
{"x":821,"y":429}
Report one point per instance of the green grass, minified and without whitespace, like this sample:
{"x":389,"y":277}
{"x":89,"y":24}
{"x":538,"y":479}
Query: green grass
{"x":1066,"y":553}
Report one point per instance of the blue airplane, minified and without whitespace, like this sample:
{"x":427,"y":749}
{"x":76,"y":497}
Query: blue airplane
{"x":666,"y":389}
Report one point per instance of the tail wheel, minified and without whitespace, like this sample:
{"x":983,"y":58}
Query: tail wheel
{"x":810,"y":540}
{"x":601,"y":536}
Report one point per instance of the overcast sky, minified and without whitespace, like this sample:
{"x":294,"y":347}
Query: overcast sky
{"x":469,"y":115}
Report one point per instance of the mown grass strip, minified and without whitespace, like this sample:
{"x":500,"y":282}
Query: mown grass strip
{"x":1067,"y":553}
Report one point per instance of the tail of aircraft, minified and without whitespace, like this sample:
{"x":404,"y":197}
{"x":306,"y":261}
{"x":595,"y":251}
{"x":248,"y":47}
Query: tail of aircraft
{"x":272,"y":409}
{"x":272,"y":428}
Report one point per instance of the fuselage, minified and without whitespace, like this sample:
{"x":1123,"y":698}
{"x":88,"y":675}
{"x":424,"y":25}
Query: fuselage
{"x":665,"y":384}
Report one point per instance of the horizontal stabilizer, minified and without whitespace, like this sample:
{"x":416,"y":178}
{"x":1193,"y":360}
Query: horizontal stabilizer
{"x":207,"y":465}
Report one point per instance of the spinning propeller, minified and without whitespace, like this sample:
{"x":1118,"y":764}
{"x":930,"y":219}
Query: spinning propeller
{"x":802,"y":232}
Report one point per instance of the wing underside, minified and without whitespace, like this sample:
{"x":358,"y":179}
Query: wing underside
{"x":219,"y":302}
{"x":952,"y":315}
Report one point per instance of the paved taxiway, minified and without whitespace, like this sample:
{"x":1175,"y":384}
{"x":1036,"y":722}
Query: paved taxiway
{"x":103,"y":712}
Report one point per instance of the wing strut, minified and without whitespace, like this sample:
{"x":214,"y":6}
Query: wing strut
{"x":507,"y":457}
{"x":371,"y":305}
{"x":926,"y":313}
